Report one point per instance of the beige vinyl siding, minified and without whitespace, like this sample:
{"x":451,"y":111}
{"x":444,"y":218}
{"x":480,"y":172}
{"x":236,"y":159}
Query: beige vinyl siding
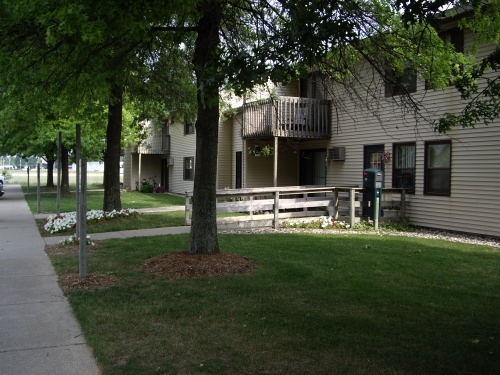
{"x":150,"y":167}
{"x":259,"y":169}
{"x":288,"y":167}
{"x":238,"y":145}
{"x":127,"y":168}
{"x":182,"y":146}
{"x":475,"y":158}
{"x":150,"y":164}
{"x":225,"y":155}
{"x":292,"y":89}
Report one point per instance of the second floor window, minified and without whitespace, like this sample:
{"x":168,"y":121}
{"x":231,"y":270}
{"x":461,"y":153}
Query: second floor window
{"x":403,"y":175}
{"x":189,"y":168}
{"x":455,"y":37}
{"x":437,"y":178}
{"x":400,"y":84}
{"x":188,"y":128}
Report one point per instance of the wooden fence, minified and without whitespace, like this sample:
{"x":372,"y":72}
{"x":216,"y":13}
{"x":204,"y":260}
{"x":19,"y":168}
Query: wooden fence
{"x":269,"y":207}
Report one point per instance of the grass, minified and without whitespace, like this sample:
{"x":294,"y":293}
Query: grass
{"x":139,"y":221}
{"x":129,"y":199}
{"x":318,"y":304}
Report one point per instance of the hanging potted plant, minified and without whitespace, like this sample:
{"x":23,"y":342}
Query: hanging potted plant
{"x":257,"y":150}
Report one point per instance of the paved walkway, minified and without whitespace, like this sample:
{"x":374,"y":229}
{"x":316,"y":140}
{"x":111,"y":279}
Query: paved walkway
{"x":126,"y":233}
{"x":38,"y":332}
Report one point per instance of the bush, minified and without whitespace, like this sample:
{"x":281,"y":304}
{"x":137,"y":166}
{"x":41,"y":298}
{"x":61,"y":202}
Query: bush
{"x":147,"y":188}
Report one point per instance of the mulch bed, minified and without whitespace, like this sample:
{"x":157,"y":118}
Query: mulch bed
{"x":69,"y":249}
{"x":182,"y":264}
{"x":92,"y":281}
{"x":173,"y":265}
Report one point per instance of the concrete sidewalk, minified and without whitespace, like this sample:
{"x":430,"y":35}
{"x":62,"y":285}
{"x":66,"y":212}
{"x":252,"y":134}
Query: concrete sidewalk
{"x":38,"y":332}
{"x":124,"y":234}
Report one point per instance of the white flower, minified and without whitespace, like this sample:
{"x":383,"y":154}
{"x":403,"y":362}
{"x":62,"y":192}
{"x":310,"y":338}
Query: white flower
{"x":65,"y":221}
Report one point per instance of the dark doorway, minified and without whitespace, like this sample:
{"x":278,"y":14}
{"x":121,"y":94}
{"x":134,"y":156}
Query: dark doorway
{"x":312,"y":169}
{"x":372,"y":158}
{"x":164,"y":174}
{"x":239,"y":170}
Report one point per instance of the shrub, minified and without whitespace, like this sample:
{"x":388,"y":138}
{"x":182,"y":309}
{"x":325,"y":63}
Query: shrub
{"x":147,"y":188}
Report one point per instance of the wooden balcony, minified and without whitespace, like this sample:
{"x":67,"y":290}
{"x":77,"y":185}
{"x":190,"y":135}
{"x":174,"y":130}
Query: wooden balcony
{"x":155,"y":145}
{"x":287,"y":116}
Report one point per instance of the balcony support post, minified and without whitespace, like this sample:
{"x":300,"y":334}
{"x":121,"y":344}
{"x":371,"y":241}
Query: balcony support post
{"x":275,"y":166}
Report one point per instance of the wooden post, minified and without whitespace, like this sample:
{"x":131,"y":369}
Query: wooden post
{"x":376,"y":213}
{"x":276,"y":224}
{"x":275,"y":167}
{"x":82,"y":248}
{"x":78,"y":179}
{"x":251,"y":210}
{"x":352,"y":210}
{"x":139,"y":170}
{"x":38,"y":192}
{"x":58,"y":198}
{"x":336,"y":204}
{"x":187,"y":209}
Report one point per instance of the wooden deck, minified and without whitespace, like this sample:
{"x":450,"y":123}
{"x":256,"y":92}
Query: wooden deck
{"x":155,"y":144}
{"x":289,"y":117}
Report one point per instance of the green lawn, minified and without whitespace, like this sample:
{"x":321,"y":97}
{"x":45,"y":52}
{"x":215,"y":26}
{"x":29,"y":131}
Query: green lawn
{"x":318,"y":304}
{"x":129,"y":199}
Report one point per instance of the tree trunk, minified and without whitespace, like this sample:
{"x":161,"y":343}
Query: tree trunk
{"x":64,"y":171}
{"x":112,"y":153}
{"x":203,"y":239}
{"x":50,"y":158}
{"x":50,"y":172}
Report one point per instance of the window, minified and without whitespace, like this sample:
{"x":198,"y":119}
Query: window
{"x":188,"y":128}
{"x":399,"y":84}
{"x":189,"y":168}
{"x":437,"y":168}
{"x":403,"y":175}
{"x":455,"y":37}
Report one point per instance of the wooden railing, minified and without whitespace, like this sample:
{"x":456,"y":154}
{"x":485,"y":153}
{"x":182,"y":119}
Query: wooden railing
{"x":155,"y":144}
{"x":269,"y":207}
{"x":287,"y":117}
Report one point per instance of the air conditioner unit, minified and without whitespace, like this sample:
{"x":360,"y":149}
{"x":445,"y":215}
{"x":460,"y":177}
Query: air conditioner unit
{"x":336,"y":154}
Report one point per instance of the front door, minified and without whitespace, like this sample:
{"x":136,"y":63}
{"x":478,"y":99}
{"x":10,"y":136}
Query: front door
{"x":238,"y":183}
{"x":164,"y":174}
{"x":372,"y":158}
{"x":312,"y":167}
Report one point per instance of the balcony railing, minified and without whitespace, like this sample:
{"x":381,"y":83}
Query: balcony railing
{"x":155,"y":144}
{"x":287,"y":117}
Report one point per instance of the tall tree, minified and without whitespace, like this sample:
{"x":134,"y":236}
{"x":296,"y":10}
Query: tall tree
{"x":81,"y":51}
{"x":204,"y":224}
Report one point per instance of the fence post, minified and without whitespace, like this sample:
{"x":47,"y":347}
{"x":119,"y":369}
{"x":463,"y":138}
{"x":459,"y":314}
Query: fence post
{"x":187,"y":209}
{"x":276,"y":223}
{"x":352,"y":211}
{"x":251,"y":210}
{"x":335,"y":204}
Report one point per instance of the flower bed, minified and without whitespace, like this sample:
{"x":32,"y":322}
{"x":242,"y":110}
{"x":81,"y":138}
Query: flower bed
{"x":324,"y":222}
{"x":67,"y":220}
